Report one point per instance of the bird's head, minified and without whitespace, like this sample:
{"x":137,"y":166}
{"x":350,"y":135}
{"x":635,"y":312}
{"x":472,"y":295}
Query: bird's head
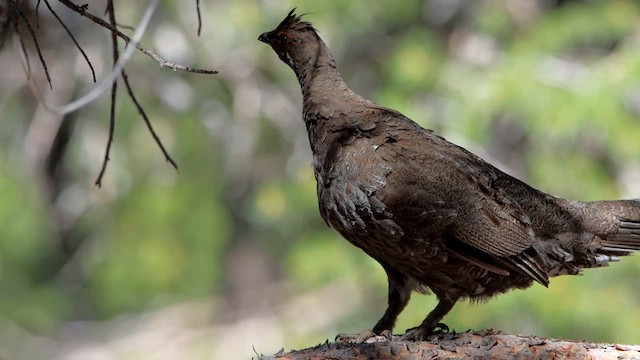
{"x":295,"y":41}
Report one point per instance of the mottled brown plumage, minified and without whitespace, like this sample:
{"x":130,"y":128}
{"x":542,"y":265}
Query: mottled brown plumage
{"x":431,"y":213}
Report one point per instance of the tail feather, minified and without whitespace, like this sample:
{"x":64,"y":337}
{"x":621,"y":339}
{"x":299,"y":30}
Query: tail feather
{"x":617,"y":223}
{"x":627,"y":238}
{"x":630,"y":224}
{"x":617,"y":250}
{"x":601,"y":260}
{"x":611,"y":229}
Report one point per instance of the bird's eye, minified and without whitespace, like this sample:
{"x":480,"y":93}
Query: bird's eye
{"x":283,"y":37}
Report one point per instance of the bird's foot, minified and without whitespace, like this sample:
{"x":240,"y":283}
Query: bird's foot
{"x":421,"y":333}
{"x":366,"y":336}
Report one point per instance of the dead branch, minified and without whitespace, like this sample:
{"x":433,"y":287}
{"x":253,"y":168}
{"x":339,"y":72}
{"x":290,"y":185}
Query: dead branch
{"x":26,"y":64}
{"x":125,"y":78}
{"x":199,"y":16}
{"x":73,"y":38}
{"x":146,"y":121}
{"x":18,"y":17}
{"x":114,"y":90}
{"x":82,"y":10}
{"x":25,"y":20}
{"x":122,"y":61}
{"x":475,"y":345}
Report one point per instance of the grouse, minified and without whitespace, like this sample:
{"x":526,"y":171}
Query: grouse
{"x":434,"y":215}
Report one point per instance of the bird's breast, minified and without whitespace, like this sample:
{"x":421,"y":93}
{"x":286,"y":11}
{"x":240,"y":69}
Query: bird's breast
{"x":349,"y":177}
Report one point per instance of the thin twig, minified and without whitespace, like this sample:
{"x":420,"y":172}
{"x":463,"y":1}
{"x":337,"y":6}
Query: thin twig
{"x":7,"y":19}
{"x":86,"y":58}
{"x":16,"y":26}
{"x":114,"y":89}
{"x":38,"y":14}
{"x":122,"y":61}
{"x":34,"y":38}
{"x":128,"y":27}
{"x":199,"y":17}
{"x":112,"y":126}
{"x":82,"y":10}
{"x":146,"y":120}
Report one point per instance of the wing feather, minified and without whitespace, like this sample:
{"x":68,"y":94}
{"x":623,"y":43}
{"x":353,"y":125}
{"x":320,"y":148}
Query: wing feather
{"x":457,"y":194}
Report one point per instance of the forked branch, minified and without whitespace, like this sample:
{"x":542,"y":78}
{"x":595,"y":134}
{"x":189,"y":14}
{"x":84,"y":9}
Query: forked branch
{"x":82,"y":10}
{"x":18,"y":17}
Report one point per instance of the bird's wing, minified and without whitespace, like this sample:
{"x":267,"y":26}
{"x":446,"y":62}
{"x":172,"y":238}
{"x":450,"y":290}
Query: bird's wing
{"x":435,"y":186}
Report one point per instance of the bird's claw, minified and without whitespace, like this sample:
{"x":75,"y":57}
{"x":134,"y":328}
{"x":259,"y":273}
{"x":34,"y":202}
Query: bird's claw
{"x":442,"y":328}
{"x":366,"y":336}
{"x":423,"y":333}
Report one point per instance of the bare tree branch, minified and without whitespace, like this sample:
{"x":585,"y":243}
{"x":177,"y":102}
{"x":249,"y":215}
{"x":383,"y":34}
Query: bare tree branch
{"x":16,"y":8}
{"x":82,"y":10}
{"x":146,"y":120}
{"x":86,"y":58}
{"x":114,"y":89}
{"x":37,"y":10}
{"x":485,"y":344}
{"x":122,"y":60}
{"x":199,"y":16}
{"x":118,"y":69}
{"x":27,"y":63}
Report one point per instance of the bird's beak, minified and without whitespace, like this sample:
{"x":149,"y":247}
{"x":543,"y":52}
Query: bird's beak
{"x":265,"y":38}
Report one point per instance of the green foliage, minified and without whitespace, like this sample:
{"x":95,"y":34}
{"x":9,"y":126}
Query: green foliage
{"x":163,"y":240}
{"x":27,"y":295}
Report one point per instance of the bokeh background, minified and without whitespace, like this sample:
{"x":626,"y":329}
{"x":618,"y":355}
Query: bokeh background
{"x":229,"y":258}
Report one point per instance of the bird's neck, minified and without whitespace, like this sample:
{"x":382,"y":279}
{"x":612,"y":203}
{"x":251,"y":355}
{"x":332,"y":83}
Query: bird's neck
{"x":319,"y":74}
{"x":327,"y":100}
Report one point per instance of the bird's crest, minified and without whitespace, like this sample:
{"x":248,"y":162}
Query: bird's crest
{"x":294,"y":22}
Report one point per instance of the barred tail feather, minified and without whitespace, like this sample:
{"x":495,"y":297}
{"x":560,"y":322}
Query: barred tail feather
{"x":617,"y":223}
{"x":626,"y":239}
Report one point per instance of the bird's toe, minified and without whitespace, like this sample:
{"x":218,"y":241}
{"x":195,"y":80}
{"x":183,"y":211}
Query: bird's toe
{"x":422,"y":333}
{"x":366,"y":336}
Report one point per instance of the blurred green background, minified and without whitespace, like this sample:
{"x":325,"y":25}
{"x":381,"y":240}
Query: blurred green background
{"x":230,"y":254}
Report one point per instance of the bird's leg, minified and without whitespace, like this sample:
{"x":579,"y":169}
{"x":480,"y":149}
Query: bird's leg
{"x":431,"y":322}
{"x":399,"y":293}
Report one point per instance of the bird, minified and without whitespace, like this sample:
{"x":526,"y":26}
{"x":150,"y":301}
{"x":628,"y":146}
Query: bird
{"x":436,"y":217}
